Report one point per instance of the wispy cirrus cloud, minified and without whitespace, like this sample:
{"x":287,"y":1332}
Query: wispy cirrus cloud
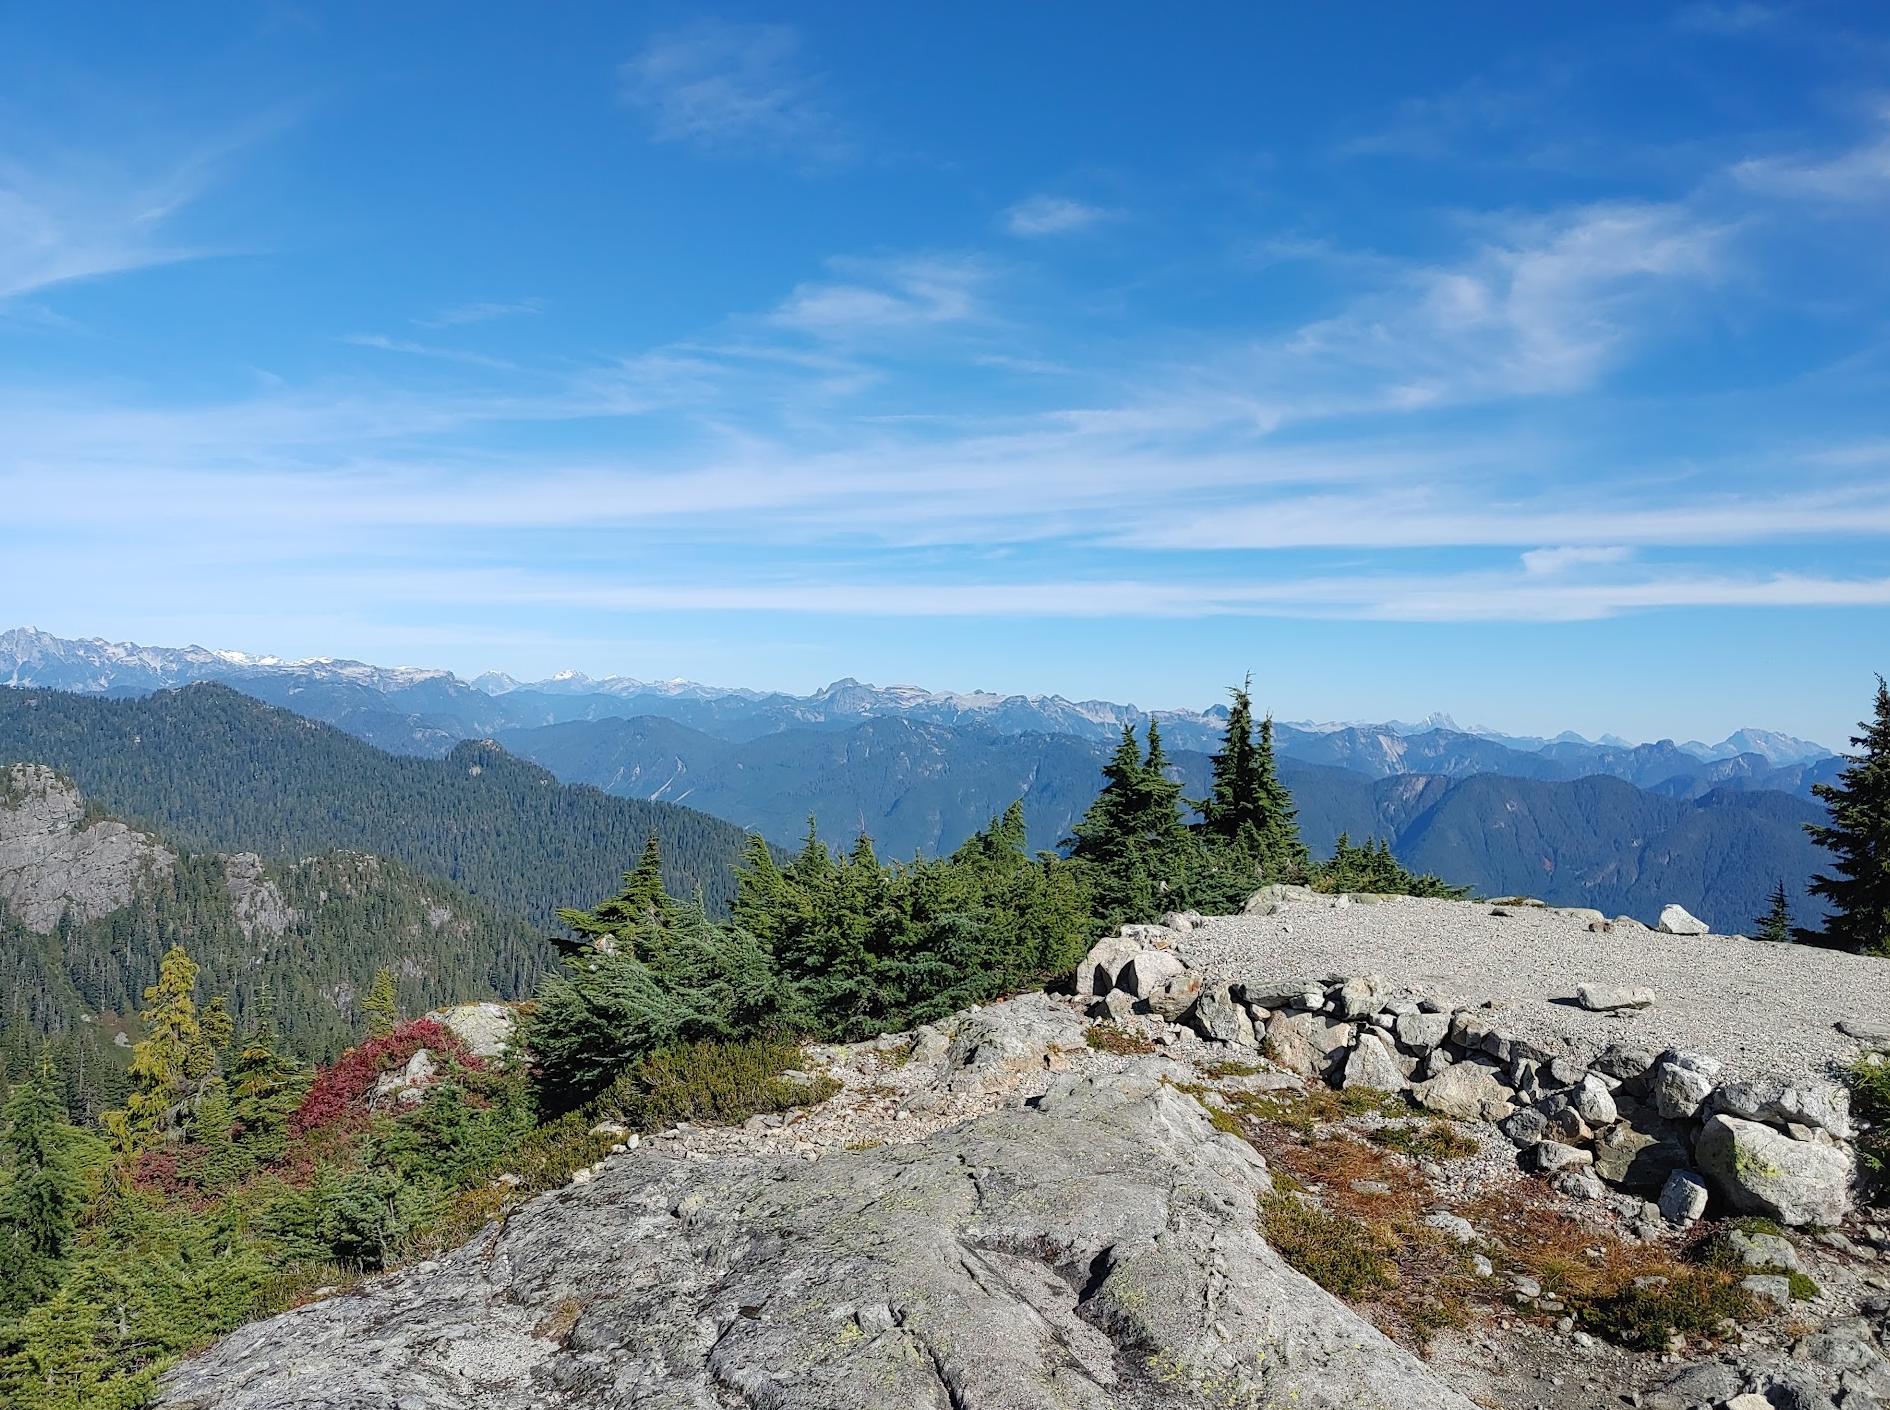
{"x":732,"y":90}
{"x":458,"y":315}
{"x":1037,"y":216}
{"x":68,"y":216}
{"x":1541,"y":562}
{"x":1856,"y":174}
{"x":880,"y":295}
{"x":380,"y":342}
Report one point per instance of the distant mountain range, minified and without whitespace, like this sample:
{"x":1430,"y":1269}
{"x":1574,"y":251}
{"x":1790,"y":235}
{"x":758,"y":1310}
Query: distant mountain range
{"x":1623,"y":827}
{"x":412,"y":710}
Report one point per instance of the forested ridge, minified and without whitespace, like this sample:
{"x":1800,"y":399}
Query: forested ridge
{"x":343,"y":916}
{"x":220,"y":771}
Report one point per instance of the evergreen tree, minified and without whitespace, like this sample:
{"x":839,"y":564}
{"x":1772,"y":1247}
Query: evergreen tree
{"x":1282,"y":850}
{"x":638,"y":914}
{"x":39,"y":1205}
{"x":1776,"y":924}
{"x":1233,"y":800}
{"x":1139,"y":856}
{"x":175,"y":1058}
{"x":381,"y":1008}
{"x":1858,"y":837}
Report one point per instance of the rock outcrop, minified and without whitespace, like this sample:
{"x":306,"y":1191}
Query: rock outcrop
{"x":1098,"y":1251}
{"x":1766,"y":1144}
{"x":53,"y":863}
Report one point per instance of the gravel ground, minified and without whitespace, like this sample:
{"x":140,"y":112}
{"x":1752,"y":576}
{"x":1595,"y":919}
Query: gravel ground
{"x":1757,"y":1007}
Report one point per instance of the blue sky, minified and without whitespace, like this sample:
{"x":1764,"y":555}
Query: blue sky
{"x":1531,"y":364}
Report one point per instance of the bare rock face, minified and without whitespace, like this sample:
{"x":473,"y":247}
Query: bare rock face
{"x":1099,"y":1251}
{"x":50,"y":865}
{"x":997,"y":1044}
{"x":486,"y":1027}
{"x":255,"y":900}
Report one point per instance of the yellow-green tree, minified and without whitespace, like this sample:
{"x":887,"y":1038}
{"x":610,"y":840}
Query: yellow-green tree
{"x":382,"y":1005}
{"x":174,"y":1061}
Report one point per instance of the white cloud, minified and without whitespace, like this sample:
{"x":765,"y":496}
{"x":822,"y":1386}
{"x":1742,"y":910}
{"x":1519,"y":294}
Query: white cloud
{"x":58,"y":228}
{"x":882,"y":295}
{"x":1547,"y":561}
{"x":733,"y":89}
{"x":1860,"y":173}
{"x":412,"y":349}
{"x":1453,"y":597}
{"x":1051,"y":215}
{"x":1544,"y":305}
{"x":460,"y":314}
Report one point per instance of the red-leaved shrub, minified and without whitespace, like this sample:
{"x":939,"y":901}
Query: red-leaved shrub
{"x":342,"y":1089}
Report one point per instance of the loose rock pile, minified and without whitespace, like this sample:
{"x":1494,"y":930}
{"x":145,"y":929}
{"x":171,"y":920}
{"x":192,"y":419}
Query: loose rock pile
{"x":1660,"y":1125}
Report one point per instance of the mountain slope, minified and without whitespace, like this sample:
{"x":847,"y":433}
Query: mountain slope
{"x":221,"y":771}
{"x":88,"y":905}
{"x":910,"y":786}
{"x":1604,"y":843}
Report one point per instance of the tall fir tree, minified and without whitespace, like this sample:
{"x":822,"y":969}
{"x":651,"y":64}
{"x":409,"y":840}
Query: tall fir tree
{"x":40,"y":1204}
{"x":1282,"y":849}
{"x":1776,"y":924}
{"x":1140,"y":855}
{"x":1233,"y":795}
{"x":636,"y":916}
{"x":1858,"y":838}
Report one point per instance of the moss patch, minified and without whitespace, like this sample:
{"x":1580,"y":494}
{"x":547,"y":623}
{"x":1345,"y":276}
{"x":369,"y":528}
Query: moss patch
{"x":1436,"y":1140}
{"x":1120,"y":1041}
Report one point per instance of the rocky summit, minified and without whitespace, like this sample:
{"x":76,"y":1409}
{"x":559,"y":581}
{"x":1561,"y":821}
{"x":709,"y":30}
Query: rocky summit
{"x":1094,"y":1249}
{"x":1166,"y":1188}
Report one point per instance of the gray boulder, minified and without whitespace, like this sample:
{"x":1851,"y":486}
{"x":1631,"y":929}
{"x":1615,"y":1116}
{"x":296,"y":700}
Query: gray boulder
{"x":1777,"y":1102}
{"x":1762,"y":1171}
{"x":485,"y":1028}
{"x":1418,"y":1033}
{"x":1371,"y":1065}
{"x":1306,"y":1043}
{"x":1545,"y":1157}
{"x":1683,"y":1199}
{"x":1525,"y":1127}
{"x":1467,"y":1091}
{"x":1218,"y":1016}
{"x":1097,"y":1251}
{"x":1147,"y":970}
{"x":1680,"y":1082}
{"x":1675,"y":920}
{"x":1761,"y":1250}
{"x":1269,"y":899}
{"x":1360,"y":997}
{"x":1175,"y":995}
{"x":1593,"y":1102}
{"x":1607,"y":998}
{"x":1096,"y":975}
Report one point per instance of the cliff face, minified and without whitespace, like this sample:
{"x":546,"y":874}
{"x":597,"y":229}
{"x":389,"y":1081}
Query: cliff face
{"x":1097,"y":1251}
{"x":88,"y":906}
{"x":53,"y":864}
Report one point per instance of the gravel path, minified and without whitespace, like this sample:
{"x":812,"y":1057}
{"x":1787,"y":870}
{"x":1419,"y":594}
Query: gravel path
{"x":1757,"y":1007}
